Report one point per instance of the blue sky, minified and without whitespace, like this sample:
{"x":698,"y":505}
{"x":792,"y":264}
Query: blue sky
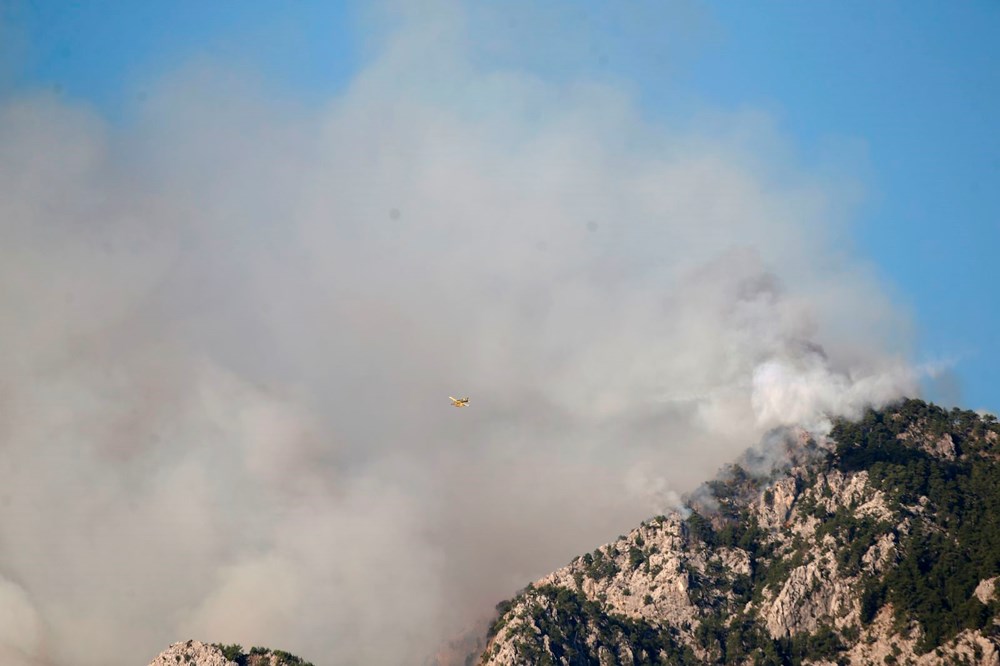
{"x":912,"y":87}
{"x":919,"y":84}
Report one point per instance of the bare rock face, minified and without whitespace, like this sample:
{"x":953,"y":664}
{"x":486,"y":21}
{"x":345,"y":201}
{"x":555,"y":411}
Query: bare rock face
{"x":986,"y":590}
{"x":813,"y":594}
{"x":880,"y":644}
{"x":803,"y":566}
{"x":191,"y":653}
{"x":776,"y":503}
{"x":643,"y":575}
{"x":942,"y":446}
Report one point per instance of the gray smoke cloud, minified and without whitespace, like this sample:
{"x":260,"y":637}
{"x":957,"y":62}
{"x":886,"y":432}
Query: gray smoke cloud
{"x":229,"y":330}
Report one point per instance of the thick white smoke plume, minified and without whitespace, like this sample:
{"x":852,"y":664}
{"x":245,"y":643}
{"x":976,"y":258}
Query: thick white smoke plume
{"x":229,"y":332}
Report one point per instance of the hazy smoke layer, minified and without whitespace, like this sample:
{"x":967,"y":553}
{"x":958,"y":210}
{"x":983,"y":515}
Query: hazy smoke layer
{"x":229,"y":333}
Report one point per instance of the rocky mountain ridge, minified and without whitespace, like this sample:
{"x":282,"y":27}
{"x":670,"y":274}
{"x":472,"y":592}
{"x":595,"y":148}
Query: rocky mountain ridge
{"x":196,"y":653}
{"x":878,"y":545}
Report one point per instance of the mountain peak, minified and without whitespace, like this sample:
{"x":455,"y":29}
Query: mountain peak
{"x":196,"y":653}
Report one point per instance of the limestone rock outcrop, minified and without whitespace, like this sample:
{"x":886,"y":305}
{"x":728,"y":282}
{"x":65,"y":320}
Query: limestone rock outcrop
{"x":193,"y":653}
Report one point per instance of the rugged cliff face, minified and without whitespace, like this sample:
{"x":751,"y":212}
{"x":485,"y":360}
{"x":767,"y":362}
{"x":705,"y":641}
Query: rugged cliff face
{"x":877,"y":545}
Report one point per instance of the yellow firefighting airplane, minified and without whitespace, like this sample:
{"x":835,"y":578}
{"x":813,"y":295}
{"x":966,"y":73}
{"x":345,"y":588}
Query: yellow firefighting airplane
{"x":459,"y":402}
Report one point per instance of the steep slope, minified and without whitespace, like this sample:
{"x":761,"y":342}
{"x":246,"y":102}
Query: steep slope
{"x":877,"y":545}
